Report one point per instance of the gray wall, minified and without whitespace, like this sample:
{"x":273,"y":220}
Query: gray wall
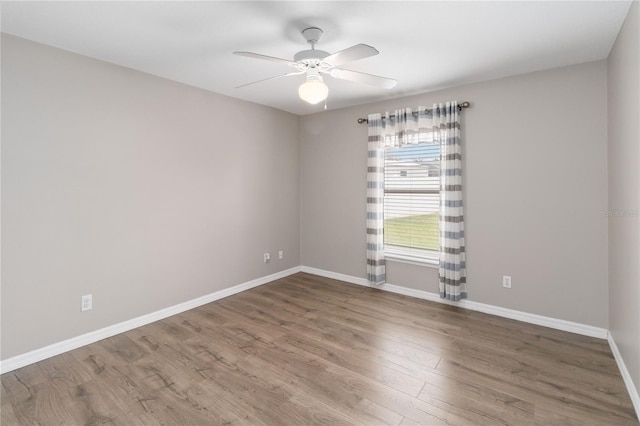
{"x":624,"y":192}
{"x":536,"y":192}
{"x":141,"y":191}
{"x":146,"y":193}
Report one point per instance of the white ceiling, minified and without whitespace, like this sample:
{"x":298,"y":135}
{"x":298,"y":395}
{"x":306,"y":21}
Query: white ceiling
{"x":424,"y":45}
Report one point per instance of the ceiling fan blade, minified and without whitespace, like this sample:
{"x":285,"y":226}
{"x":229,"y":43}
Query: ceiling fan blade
{"x":360,"y":77}
{"x":271,"y":78}
{"x":266,"y":58}
{"x":350,"y":54}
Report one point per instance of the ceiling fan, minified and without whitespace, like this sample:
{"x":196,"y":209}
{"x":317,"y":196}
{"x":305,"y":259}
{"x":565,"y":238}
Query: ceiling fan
{"x":313,"y":62}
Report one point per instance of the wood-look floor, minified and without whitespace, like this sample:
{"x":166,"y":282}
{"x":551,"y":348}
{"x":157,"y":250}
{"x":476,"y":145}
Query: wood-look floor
{"x":308,"y":350}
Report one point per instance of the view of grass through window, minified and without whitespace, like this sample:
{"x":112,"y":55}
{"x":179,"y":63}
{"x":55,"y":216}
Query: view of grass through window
{"x":418,"y":231}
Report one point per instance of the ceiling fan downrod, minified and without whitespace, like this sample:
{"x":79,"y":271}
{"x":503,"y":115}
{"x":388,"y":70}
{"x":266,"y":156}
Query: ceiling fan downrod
{"x":311,"y":57}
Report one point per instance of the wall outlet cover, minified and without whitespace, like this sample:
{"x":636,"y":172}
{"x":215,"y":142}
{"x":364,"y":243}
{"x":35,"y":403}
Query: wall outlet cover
{"x":86,"y":303}
{"x":506,"y":281}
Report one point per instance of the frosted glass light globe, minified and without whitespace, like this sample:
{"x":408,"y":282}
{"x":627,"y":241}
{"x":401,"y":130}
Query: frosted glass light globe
{"x":313,"y":90}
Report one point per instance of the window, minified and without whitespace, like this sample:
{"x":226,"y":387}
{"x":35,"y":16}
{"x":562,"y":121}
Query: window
{"x":411,"y":202}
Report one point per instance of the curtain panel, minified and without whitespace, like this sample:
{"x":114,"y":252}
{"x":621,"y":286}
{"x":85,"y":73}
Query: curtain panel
{"x":398,"y":128}
{"x":440,"y":125}
{"x":452,"y":264}
{"x":376,"y":268}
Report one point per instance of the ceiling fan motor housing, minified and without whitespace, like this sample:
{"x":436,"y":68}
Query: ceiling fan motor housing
{"x":311,"y":57}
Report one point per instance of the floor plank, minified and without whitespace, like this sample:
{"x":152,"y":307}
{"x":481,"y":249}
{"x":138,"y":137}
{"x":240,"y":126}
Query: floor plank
{"x":309,"y":350}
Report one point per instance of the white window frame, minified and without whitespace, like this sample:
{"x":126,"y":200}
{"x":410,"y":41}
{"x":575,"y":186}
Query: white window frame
{"x":404,"y":254}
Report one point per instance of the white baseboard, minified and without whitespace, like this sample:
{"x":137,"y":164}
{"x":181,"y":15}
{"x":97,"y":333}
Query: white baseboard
{"x":633,"y":391}
{"x":337,"y":276}
{"x":36,"y":355}
{"x":558,"y":324}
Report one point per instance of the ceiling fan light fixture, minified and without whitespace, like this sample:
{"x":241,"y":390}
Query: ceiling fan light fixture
{"x":312,"y":62}
{"x":313,"y":90}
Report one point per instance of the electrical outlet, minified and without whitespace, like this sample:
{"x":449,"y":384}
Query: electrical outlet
{"x":87,"y":303}
{"x":281,"y":254}
{"x":506,"y":281}
{"x":267,"y":257}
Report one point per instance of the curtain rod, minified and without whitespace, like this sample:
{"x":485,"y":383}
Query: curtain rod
{"x":461,"y":105}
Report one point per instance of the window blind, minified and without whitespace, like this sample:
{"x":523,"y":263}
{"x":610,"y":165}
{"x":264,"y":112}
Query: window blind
{"x":411,"y":200}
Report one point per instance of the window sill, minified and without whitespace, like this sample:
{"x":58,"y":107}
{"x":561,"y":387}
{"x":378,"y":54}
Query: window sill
{"x":430,"y":263}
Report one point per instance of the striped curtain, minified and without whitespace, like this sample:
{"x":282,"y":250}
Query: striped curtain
{"x":376,"y":269}
{"x":400,"y":127}
{"x":439,"y":125}
{"x":452,"y":269}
